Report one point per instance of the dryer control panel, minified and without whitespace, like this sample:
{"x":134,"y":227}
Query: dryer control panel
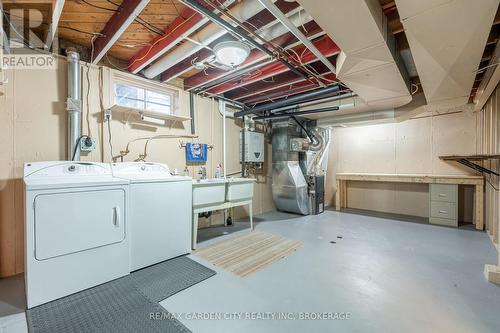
{"x":58,"y":169}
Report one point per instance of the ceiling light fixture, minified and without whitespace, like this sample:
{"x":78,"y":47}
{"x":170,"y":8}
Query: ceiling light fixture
{"x":231,"y":53}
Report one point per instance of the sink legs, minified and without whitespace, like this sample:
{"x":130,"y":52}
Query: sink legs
{"x":195,"y":231}
{"x":250,"y":214}
{"x":223,"y":206}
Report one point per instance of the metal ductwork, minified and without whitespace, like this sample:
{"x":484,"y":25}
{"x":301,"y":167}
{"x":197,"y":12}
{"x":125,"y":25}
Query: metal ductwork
{"x":289,"y":184}
{"x":447,"y":40}
{"x":369,"y":53}
{"x":298,"y":167}
{"x":74,"y":105}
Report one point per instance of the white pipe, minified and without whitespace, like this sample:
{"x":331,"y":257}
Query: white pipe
{"x":229,"y":114}
{"x":242,"y":11}
{"x":222,"y":110}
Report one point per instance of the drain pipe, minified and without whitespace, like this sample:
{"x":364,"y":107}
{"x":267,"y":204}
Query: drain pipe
{"x":74,"y":105}
{"x":296,"y":99}
{"x":222,"y":109}
{"x":191,"y":112}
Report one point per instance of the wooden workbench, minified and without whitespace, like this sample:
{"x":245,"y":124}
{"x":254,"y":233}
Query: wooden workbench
{"x":477,"y":181}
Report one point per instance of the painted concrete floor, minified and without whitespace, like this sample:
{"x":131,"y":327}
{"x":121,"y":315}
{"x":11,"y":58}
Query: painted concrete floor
{"x":388,"y":275}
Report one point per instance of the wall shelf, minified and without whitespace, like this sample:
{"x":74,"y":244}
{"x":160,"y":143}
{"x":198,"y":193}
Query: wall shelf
{"x":148,"y":113}
{"x":469,"y":161}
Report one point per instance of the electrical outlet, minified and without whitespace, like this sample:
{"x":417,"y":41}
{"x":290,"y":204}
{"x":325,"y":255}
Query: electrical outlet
{"x":107,"y":115}
{"x":87,"y":144}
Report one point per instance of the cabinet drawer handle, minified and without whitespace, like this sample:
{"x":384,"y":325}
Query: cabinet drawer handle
{"x":443,"y":211}
{"x":442,"y":195}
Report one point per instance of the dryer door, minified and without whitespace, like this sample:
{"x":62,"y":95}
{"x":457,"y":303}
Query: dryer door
{"x":70,"y":222}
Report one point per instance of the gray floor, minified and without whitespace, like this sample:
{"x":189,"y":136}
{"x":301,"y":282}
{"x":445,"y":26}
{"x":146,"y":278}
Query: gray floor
{"x":390,"y":276}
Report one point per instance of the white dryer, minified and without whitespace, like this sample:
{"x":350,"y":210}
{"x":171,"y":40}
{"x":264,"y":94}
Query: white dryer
{"x":160,"y":212}
{"x":75,"y":228}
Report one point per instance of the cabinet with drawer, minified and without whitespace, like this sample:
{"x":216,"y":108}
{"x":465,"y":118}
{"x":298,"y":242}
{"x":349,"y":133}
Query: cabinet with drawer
{"x":443,"y":204}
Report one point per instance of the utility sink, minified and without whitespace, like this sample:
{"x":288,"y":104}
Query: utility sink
{"x":216,"y":191}
{"x":239,"y":189}
{"x":209,"y":192}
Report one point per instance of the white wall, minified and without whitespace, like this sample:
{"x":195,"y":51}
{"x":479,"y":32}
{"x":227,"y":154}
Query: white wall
{"x":411,"y":147}
{"x":33,"y":128}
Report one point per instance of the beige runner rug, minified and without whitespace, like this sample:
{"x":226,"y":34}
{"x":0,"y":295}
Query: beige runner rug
{"x":247,"y":254}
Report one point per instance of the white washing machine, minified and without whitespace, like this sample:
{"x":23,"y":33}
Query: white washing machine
{"x":75,"y":228}
{"x":160,"y":212}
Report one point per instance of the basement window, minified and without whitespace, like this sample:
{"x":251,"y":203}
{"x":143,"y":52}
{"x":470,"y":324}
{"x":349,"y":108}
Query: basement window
{"x":143,"y":98}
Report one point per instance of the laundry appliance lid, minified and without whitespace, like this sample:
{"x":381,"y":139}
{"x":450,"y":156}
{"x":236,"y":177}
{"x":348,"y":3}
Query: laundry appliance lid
{"x":145,"y":172}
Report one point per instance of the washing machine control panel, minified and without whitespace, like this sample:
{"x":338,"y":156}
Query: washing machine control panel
{"x":128,"y":168}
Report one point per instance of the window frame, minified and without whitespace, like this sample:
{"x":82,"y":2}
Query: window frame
{"x":147,"y":85}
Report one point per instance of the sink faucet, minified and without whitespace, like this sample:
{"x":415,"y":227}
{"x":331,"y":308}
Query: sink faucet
{"x":202,"y":172}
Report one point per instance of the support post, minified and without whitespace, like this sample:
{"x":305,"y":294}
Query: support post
{"x":478,"y":207}
{"x":338,"y":194}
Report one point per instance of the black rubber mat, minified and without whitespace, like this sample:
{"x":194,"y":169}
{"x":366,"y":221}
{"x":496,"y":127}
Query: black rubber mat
{"x":166,"y":279}
{"x":128,"y":304}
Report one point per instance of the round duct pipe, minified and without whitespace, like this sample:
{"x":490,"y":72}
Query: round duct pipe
{"x":74,"y":104}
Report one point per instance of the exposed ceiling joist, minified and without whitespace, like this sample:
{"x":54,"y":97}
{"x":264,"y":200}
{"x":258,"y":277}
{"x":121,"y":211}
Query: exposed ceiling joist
{"x":284,"y":79}
{"x":57,"y":9}
{"x":260,"y":21}
{"x":284,"y":90}
{"x":185,"y":24}
{"x":325,"y":46}
{"x":116,"y":26}
{"x":285,"y":41}
{"x":294,"y":30}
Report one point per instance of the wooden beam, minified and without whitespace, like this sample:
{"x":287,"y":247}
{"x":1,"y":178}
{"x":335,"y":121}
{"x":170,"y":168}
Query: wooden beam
{"x":116,"y":26}
{"x":285,"y":79}
{"x":492,"y":273}
{"x":287,"y":40}
{"x":184,"y":25}
{"x":57,"y":8}
{"x":262,"y":19}
{"x":286,"y":90}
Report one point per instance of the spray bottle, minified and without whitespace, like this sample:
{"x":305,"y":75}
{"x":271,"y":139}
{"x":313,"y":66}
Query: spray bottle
{"x":218,"y":171}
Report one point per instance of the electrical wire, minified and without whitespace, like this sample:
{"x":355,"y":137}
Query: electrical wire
{"x":98,"y":7}
{"x":110,"y":139}
{"x":77,"y":146}
{"x":279,"y":53}
{"x":59,"y":26}
{"x":101,"y":104}
{"x":142,"y":22}
{"x":89,"y":131}
{"x":22,"y":40}
{"x":115,"y":66}
{"x":82,"y":31}
{"x":160,"y":40}
{"x":480,"y":70}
